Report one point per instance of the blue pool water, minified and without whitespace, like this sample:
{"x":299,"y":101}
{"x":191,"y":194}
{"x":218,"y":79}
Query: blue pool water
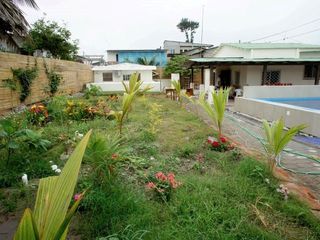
{"x":310,"y":103}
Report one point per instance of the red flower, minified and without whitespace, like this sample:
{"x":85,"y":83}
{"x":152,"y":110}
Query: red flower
{"x":77,"y":197}
{"x":114,"y":156}
{"x":161,"y":176}
{"x":209,"y":141}
{"x":223,"y":139}
{"x":151,"y":185}
{"x":215,"y":144}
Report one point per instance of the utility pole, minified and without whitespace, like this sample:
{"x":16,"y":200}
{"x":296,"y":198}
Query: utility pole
{"x":202,"y":24}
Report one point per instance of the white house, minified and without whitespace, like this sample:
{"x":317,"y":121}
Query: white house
{"x":253,"y":64}
{"x":110,"y":77}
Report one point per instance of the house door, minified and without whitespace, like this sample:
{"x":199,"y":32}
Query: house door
{"x":225,"y":77}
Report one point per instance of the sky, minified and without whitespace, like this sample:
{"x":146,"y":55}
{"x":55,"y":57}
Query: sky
{"x":102,"y":25}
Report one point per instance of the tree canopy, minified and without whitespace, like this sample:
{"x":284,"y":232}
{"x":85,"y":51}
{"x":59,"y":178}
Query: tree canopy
{"x":178,"y":64}
{"x":189,"y":28}
{"x":11,"y":17}
{"x":49,"y":35}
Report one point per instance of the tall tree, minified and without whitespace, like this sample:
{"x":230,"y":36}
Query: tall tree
{"x":178,"y":64}
{"x":189,"y":28}
{"x":12,"y":21}
{"x":49,"y":35}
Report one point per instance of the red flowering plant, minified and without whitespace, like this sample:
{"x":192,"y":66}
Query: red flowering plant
{"x":163,"y":185}
{"x":220,"y":144}
{"x":38,"y":114}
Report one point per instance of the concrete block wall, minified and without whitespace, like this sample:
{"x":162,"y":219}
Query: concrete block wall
{"x":75,"y":76}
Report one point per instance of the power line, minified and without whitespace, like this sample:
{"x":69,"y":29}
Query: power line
{"x":297,"y":35}
{"x":285,"y":31}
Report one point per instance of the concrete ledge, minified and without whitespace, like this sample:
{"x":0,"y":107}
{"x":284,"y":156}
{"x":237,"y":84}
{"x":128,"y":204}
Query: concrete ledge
{"x":296,"y":91}
{"x":272,"y":111}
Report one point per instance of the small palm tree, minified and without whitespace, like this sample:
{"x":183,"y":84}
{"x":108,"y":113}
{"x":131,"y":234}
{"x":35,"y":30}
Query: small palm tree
{"x":216,"y":111}
{"x":177,"y":86}
{"x":146,"y":61}
{"x":135,"y":85}
{"x":52,"y":212}
{"x":277,"y":139}
{"x":126,"y":107}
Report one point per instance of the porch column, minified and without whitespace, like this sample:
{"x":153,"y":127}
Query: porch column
{"x":202,"y":75}
{"x":211,"y":76}
{"x":206,"y":79}
{"x":316,"y":80}
{"x":192,"y":74}
{"x":264,"y":74}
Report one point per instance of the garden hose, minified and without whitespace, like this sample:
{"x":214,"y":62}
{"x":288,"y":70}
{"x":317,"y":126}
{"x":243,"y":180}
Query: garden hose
{"x":287,"y":150}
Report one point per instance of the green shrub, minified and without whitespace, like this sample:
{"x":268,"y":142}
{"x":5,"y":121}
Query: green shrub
{"x":103,"y":153}
{"x":93,"y":90}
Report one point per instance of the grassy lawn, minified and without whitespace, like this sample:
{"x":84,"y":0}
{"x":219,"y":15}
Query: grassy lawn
{"x":221,"y":196}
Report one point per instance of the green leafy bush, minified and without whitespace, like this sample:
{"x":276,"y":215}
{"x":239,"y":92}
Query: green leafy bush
{"x":104,"y":152}
{"x":38,"y":114}
{"x":25,"y":77}
{"x":93,"y":90}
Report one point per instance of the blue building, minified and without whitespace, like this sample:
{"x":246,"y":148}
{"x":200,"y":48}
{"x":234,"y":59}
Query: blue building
{"x":121,"y":56}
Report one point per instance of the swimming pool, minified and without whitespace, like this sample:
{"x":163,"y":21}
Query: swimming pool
{"x":310,"y":103}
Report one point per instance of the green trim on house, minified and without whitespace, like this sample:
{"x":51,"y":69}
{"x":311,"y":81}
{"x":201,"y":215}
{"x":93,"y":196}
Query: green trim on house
{"x":249,"y":46}
{"x":254,"y":60}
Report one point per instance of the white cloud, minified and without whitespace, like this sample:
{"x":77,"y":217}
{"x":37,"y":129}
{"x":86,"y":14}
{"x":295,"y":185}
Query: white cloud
{"x":121,"y":24}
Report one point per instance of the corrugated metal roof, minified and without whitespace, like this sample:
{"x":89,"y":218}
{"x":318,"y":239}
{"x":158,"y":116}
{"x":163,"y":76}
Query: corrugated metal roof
{"x":255,"y":60}
{"x":271,"y":45}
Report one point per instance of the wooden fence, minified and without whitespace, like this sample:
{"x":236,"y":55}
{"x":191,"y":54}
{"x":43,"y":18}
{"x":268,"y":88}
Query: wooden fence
{"x":75,"y":76}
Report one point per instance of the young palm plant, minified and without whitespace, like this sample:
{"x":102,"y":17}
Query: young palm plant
{"x":126,"y":106}
{"x":277,"y":139}
{"x":50,"y":218}
{"x":177,"y":86}
{"x":216,"y":111}
{"x":135,"y":85}
{"x":104,"y":152}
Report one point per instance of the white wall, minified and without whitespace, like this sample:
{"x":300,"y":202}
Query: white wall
{"x":273,"y":111}
{"x":281,"y":91}
{"x":227,"y":51}
{"x":111,"y":56}
{"x":288,"y":74}
{"x":145,"y":76}
{"x":274,"y":53}
{"x":118,"y":87}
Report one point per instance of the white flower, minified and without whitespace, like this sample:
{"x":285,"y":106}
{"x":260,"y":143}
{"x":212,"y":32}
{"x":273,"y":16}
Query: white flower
{"x":152,"y":158}
{"x":64,"y":157}
{"x":78,"y":135}
{"x":267,"y":180}
{"x":58,"y":170}
{"x":25,"y":179}
{"x":50,"y":162}
{"x":54,"y":167}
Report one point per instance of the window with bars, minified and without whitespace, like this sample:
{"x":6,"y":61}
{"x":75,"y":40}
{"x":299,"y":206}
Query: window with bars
{"x":107,"y":77}
{"x":309,"y":71}
{"x":272,"y":77}
{"x":126,"y":77}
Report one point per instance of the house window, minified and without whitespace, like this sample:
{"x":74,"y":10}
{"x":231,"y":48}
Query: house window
{"x":310,"y":71}
{"x":107,"y":77}
{"x":126,"y":77}
{"x":272,"y":77}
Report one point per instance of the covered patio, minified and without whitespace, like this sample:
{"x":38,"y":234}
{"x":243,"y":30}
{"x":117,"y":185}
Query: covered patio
{"x":239,"y":72}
